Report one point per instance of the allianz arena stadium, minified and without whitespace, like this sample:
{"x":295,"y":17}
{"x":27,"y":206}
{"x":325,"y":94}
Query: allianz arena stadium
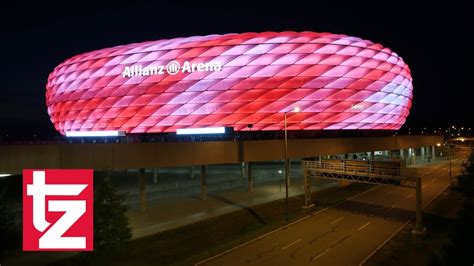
{"x":336,"y":82}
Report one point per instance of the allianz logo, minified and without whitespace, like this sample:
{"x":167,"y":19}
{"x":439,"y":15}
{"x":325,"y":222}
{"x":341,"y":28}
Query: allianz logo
{"x":172,"y":68}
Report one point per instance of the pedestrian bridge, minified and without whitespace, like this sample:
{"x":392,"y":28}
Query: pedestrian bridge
{"x":106,"y":156}
{"x":373,"y":172}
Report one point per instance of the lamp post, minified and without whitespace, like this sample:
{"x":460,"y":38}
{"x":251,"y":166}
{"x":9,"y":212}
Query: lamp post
{"x":449,"y":155}
{"x":287,"y":166}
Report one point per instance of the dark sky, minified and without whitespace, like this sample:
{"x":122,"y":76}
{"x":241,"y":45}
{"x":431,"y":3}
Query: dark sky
{"x":435,"y":40}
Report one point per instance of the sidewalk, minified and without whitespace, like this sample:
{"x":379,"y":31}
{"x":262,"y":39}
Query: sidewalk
{"x":164,"y":215}
{"x":423,"y":162}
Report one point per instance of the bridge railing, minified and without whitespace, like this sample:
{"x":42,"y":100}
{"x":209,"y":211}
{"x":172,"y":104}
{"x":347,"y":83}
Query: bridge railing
{"x":363,"y":168}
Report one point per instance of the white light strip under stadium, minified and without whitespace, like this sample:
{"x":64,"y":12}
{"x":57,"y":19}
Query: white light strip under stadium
{"x":104,"y":133}
{"x":203,"y":130}
{"x":5,"y":175}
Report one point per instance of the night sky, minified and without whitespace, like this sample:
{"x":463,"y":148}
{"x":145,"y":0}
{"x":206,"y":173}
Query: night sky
{"x":435,"y":40}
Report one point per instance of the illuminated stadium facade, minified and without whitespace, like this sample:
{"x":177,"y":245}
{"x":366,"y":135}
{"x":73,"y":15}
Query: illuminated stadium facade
{"x":234,"y":80}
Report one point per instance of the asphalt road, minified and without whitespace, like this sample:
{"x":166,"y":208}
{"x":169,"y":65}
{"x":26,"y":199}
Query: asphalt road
{"x":345,"y":234}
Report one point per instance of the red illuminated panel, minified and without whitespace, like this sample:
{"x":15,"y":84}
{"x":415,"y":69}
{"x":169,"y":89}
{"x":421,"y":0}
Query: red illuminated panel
{"x":337,"y":81}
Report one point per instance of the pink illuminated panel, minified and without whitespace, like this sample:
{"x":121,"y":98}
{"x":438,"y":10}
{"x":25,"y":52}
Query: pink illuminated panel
{"x":338,"y":82}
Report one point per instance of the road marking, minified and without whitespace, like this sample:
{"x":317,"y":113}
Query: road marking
{"x":423,"y":187}
{"x":385,"y":242}
{"x":399,"y":229}
{"x":371,"y":202}
{"x":388,"y":193}
{"x":284,"y":227}
{"x":393,"y":206}
{"x":320,"y":254}
{"x":291,"y":244}
{"x":409,"y":195}
{"x":433,"y":180}
{"x":337,"y":220}
{"x":364,"y":226}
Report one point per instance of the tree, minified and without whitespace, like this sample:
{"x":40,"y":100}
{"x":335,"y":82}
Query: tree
{"x":466,"y":179}
{"x":9,"y":232}
{"x":458,"y":250}
{"x":111,"y":227}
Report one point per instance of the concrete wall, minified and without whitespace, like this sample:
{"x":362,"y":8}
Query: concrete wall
{"x":14,"y":158}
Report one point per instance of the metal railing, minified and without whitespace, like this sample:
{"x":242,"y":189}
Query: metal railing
{"x":362,"y":171}
{"x":388,"y":169}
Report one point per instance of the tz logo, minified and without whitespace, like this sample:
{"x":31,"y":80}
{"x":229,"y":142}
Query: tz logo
{"x":57,"y":210}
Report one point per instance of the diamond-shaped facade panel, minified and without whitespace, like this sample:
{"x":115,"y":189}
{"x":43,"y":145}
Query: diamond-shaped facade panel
{"x":337,"y":82}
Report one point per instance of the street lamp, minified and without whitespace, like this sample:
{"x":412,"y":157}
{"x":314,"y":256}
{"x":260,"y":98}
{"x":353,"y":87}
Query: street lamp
{"x":287,"y":165}
{"x":449,"y":155}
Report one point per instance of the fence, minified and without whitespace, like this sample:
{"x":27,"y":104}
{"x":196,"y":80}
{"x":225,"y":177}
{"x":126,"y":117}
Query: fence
{"x":192,"y":188}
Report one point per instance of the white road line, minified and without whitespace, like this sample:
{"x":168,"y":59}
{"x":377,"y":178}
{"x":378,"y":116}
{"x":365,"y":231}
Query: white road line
{"x":393,"y":206}
{"x":364,"y":226}
{"x":371,"y":202}
{"x":291,"y":244}
{"x":388,"y":193}
{"x":409,"y":195}
{"x":337,"y":220}
{"x":320,"y":254}
{"x":284,"y":227}
{"x":399,"y":229}
{"x":433,"y":180}
{"x":423,"y":187}
{"x":385,"y":242}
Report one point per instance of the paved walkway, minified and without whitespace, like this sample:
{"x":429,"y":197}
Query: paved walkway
{"x":164,"y":215}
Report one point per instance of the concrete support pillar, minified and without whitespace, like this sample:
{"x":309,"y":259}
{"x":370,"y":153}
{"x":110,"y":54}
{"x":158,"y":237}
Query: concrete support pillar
{"x":191,"y":172}
{"x":108,"y":176}
{"x":307,"y":189}
{"x":413,"y":155}
{"x":289,"y":171}
{"x":249,"y":177}
{"x":402,"y":154}
{"x":433,"y":152}
{"x":320,"y":159}
{"x":203,"y":182}
{"x":155,"y":175}
{"x":242,"y":171}
{"x":422,"y":153}
{"x":372,"y":156}
{"x":142,"y":188}
{"x":419,"y":229}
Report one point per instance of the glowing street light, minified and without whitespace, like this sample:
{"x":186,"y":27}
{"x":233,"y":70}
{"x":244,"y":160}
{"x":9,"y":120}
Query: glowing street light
{"x":287,"y":165}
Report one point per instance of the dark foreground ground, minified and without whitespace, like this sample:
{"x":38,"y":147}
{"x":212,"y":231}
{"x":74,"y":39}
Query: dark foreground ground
{"x":190,"y":244}
{"x":407,"y":249}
